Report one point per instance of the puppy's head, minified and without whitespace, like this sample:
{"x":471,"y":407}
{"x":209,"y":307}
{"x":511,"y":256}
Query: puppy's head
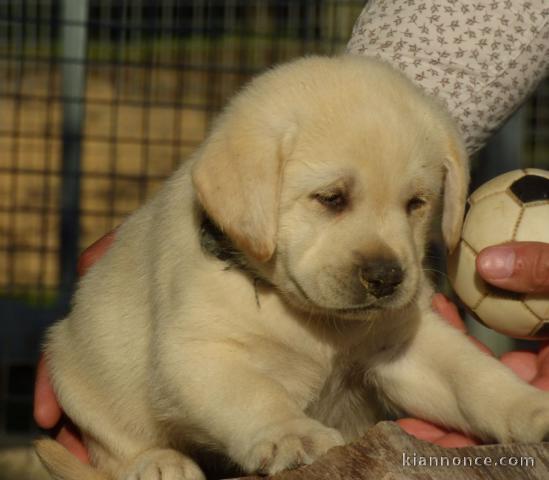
{"x":325,"y":172}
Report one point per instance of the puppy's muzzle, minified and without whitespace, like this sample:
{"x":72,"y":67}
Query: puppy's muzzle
{"x":381,"y":277}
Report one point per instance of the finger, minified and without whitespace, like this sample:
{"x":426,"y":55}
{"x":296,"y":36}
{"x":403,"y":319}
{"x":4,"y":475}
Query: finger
{"x":524,"y":364}
{"x":542,"y":378}
{"x":421,"y":429}
{"x":542,"y":383}
{"x":543,"y":358}
{"x":47,"y":411}
{"x":429,"y":432}
{"x":94,"y":252}
{"x":519,"y":266}
{"x":70,"y":438}
{"x":456,"y":440}
{"x":448,"y":311}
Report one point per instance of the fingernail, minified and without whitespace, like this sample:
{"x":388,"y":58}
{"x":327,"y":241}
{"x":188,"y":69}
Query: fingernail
{"x":497,"y":263}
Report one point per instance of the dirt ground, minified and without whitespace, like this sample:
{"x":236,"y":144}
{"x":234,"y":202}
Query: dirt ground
{"x":139,"y":124}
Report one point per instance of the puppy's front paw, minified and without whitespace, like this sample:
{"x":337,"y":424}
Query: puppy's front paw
{"x":163,"y":465}
{"x":529,"y":418}
{"x":289,"y":445}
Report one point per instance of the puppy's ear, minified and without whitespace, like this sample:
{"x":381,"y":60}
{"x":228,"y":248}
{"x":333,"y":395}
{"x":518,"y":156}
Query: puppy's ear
{"x":456,"y":182}
{"x":237,"y":178}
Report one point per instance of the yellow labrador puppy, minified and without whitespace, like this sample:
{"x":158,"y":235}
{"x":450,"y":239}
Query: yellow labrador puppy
{"x":269,"y":302}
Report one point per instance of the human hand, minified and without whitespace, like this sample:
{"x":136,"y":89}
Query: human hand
{"x":517,"y":266}
{"x":531,"y":367}
{"x":47,"y":411}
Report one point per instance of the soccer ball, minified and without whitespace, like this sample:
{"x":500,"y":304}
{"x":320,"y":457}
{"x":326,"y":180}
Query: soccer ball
{"x":511,"y":207}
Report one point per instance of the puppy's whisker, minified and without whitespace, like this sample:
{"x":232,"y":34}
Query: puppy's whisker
{"x":442,"y":273}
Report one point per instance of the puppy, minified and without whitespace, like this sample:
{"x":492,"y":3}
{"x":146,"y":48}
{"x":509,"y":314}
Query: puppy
{"x":269,"y":303}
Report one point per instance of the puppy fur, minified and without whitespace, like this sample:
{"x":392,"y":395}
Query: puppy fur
{"x":323,"y":175}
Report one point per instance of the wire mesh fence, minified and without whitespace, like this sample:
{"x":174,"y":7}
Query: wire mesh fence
{"x":153,"y":75}
{"x":99,"y":100}
{"x":536,"y":134}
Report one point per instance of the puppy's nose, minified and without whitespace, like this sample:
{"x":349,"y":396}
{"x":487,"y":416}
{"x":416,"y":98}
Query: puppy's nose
{"x":381,"y":277}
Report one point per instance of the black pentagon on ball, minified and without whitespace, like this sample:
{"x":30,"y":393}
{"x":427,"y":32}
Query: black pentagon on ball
{"x":531,"y":188}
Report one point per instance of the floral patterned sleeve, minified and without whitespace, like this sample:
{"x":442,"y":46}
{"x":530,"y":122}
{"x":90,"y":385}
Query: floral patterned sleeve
{"x":480,"y":57}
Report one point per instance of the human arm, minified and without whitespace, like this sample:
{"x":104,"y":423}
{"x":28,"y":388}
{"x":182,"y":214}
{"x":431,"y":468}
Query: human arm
{"x":479,"y":60}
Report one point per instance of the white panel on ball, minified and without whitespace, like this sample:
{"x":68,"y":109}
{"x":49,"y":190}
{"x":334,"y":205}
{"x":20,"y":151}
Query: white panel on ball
{"x":507,"y":315}
{"x":534,"y":224}
{"x":484,"y":226}
{"x":498,"y":184}
{"x":462,"y":271}
{"x":537,"y":171}
{"x":539,"y":304}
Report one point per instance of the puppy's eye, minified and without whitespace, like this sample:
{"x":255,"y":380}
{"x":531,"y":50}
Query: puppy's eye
{"x":415,"y":203}
{"x":335,"y":200}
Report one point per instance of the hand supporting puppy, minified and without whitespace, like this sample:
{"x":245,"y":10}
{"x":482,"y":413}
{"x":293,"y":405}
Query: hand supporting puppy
{"x":47,"y":411}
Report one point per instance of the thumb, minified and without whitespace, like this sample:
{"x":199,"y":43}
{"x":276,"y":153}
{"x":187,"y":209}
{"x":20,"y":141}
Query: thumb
{"x":518,"y":266}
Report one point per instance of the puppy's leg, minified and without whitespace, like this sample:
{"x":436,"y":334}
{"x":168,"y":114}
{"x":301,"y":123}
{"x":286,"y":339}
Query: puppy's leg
{"x":444,"y":378}
{"x":246,"y":413}
{"x":153,"y":464}
{"x":150,"y":464}
{"x":162,"y":464}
